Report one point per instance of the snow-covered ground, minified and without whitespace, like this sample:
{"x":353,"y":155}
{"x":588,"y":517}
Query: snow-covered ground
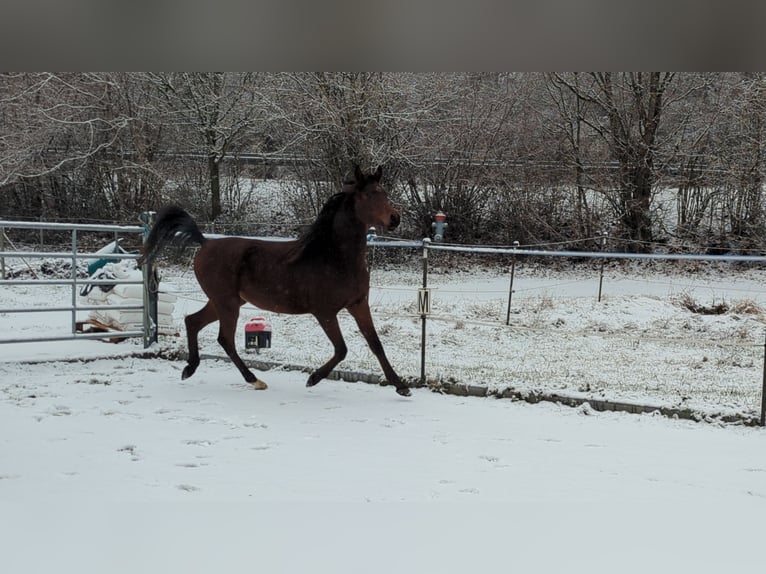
{"x":640,"y":344}
{"x":115,"y":464}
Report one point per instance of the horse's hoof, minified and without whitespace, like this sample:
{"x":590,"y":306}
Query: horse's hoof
{"x":312,"y":381}
{"x":259,"y":385}
{"x":188,"y":372}
{"x":404,"y":391}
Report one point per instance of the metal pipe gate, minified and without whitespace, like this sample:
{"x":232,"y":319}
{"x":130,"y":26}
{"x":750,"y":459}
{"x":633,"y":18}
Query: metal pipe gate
{"x":149,"y":281}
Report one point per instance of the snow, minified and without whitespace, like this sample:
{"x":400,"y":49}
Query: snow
{"x":112,"y":463}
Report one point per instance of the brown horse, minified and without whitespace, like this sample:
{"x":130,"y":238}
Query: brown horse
{"x":321,"y":273}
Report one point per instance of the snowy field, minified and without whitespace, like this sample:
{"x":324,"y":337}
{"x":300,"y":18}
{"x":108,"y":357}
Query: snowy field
{"x":641,"y":344}
{"x":111,"y":463}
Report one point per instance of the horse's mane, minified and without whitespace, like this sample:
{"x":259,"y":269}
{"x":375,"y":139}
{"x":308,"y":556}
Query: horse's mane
{"x":314,"y":241}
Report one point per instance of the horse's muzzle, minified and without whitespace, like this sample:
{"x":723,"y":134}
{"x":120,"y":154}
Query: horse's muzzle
{"x":394,"y":222}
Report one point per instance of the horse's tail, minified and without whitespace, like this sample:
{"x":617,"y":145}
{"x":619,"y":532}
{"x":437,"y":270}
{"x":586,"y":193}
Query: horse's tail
{"x":172,"y":226}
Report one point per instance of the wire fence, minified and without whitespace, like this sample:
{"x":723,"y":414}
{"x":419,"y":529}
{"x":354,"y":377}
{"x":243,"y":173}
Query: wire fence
{"x":754,"y":347}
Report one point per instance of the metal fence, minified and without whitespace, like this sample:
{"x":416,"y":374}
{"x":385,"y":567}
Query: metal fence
{"x":514,"y":252}
{"x":148,"y":308}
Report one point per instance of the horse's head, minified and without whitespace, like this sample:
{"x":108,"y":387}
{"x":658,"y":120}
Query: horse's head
{"x":371,"y":202}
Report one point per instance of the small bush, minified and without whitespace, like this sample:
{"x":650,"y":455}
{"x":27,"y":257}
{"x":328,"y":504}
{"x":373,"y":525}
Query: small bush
{"x":687,"y":301}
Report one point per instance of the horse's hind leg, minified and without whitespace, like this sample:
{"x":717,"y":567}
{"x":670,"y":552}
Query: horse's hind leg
{"x":194,"y":324}
{"x":227,"y":317}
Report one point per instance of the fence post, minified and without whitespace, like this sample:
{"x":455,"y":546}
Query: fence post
{"x":763,"y":389}
{"x":424,"y":314}
{"x":604,"y":235}
{"x":151,"y":287}
{"x":74,"y":281}
{"x":2,"y":248}
{"x":510,"y":287}
{"x":371,"y":236}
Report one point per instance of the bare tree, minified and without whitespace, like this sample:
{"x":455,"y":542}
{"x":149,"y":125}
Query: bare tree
{"x":569,"y":127}
{"x":719,"y":160}
{"x":465,"y":143}
{"x":740,"y":145}
{"x":58,"y":133}
{"x":508,"y":156}
{"x":211,"y":113}
{"x":694,"y":171}
{"x":627,"y":111}
{"x":330,"y":121}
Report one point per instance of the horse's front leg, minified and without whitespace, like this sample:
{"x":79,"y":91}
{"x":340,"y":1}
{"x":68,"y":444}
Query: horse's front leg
{"x":331,"y":328}
{"x":361,"y":314}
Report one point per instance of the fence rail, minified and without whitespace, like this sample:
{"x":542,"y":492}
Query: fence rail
{"x":49,"y":226}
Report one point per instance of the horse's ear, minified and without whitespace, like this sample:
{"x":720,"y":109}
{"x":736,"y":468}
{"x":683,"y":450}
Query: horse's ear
{"x":358,"y":175}
{"x":378,"y":173}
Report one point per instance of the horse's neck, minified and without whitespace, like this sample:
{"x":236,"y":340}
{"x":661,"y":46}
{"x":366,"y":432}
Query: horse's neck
{"x":350,"y":239}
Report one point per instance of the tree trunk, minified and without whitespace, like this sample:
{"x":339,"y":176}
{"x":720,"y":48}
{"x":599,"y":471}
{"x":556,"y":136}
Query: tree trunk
{"x":637,"y":201}
{"x":214,"y":168}
{"x":634,"y":148}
